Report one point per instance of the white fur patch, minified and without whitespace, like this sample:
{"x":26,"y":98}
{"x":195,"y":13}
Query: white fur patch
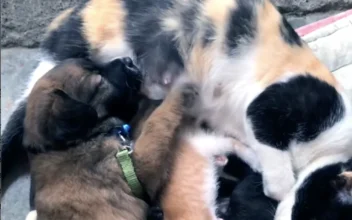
{"x":43,"y":67}
{"x":113,"y":50}
{"x":210,"y":145}
{"x":32,"y":215}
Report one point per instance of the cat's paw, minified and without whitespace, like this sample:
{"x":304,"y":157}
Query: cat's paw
{"x":285,"y":207}
{"x":278,"y":188}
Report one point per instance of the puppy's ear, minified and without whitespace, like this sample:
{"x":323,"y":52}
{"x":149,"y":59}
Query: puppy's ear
{"x":70,"y":119}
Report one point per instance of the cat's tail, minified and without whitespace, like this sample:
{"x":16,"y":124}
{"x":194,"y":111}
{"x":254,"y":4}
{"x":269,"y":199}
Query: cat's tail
{"x":14,"y":158}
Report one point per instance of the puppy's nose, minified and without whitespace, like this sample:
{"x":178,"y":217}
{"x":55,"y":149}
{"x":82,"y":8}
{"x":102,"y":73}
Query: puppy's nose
{"x":127,"y":61}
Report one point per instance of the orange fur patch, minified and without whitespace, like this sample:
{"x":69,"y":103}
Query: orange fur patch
{"x":185,"y":196}
{"x":200,"y":61}
{"x":276,"y":57}
{"x":218,"y":13}
{"x":59,"y":20}
{"x":103,"y":22}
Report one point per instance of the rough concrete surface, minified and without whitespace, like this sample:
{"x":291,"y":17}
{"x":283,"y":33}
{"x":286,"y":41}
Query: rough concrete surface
{"x":16,"y":66}
{"x":24,"y":21}
{"x":300,"y":7}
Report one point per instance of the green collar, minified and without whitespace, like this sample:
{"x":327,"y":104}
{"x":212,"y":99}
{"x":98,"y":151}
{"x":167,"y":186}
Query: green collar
{"x":125,"y":161}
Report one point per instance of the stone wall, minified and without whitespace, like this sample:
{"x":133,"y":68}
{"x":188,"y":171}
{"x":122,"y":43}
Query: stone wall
{"x":23,"y":21}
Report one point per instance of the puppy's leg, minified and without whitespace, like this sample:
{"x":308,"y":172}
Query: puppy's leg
{"x":154,"y":149}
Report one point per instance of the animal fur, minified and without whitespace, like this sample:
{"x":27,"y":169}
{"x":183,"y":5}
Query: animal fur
{"x":66,"y":127}
{"x":260,"y":82}
{"x":76,"y":172}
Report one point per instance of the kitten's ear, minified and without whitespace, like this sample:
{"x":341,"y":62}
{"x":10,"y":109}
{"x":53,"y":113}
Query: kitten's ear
{"x":70,"y":119}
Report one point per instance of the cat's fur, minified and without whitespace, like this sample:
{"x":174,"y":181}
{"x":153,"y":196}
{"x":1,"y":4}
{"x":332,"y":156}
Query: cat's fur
{"x":260,"y":81}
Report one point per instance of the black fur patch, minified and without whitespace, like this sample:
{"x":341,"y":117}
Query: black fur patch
{"x":248,"y":201}
{"x":289,"y":34}
{"x":156,"y":51}
{"x":242,"y":24}
{"x":70,"y":119}
{"x":189,"y":21}
{"x":237,"y":167}
{"x":209,"y":34}
{"x":127,"y":79}
{"x":67,"y":41}
{"x":299,"y":109}
{"x":13,"y":155}
{"x":316,"y":198}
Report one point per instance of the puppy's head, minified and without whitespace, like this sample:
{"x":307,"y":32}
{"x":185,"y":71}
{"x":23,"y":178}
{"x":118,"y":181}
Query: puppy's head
{"x":71,"y":98}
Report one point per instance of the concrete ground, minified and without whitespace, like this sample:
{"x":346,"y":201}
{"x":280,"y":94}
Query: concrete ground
{"x":16,"y":64}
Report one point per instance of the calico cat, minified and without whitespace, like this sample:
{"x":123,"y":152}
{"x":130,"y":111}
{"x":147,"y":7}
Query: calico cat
{"x":259,"y":81}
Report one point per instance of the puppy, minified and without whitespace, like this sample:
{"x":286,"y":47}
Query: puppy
{"x":127,"y":80}
{"x":76,"y":172}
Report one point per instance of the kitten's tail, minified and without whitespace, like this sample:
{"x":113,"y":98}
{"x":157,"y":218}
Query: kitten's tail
{"x":14,"y":159}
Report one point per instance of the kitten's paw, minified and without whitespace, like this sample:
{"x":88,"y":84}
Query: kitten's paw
{"x":278,"y":188}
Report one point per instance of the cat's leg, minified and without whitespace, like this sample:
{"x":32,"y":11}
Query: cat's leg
{"x":277,"y":170}
{"x":284,"y":210}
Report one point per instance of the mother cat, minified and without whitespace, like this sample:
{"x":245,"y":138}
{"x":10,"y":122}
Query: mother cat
{"x":260,"y":81}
